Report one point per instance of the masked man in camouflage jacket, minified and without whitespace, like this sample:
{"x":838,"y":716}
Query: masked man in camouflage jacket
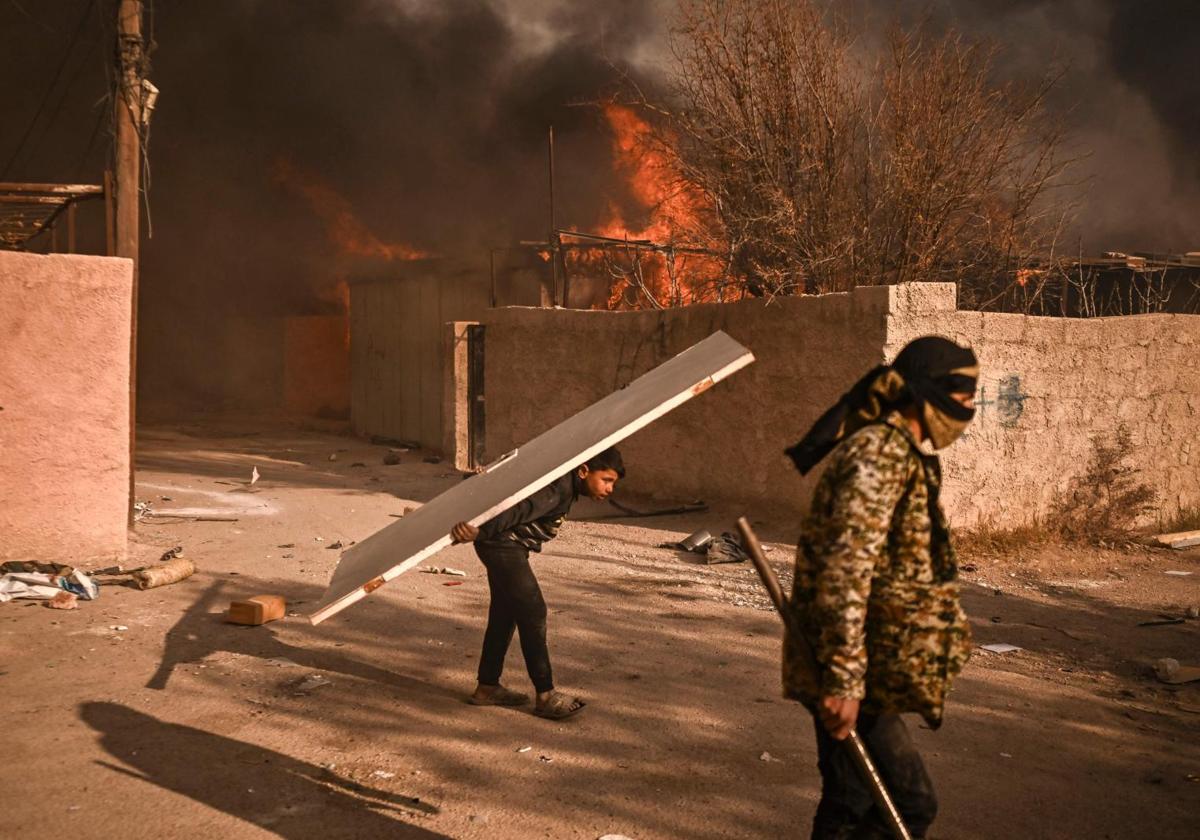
{"x":875,"y":585}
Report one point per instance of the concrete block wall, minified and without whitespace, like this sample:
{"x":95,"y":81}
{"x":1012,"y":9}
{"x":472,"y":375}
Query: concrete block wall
{"x":64,"y":407}
{"x":1050,"y":388}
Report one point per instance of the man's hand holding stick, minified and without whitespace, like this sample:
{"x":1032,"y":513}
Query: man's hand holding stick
{"x":838,"y":714}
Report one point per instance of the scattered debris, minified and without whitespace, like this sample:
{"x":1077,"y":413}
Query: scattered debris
{"x":614,"y":837}
{"x":1160,"y":622}
{"x":33,"y":566}
{"x":1193,"y":612}
{"x":383,"y":774}
{"x":165,"y":499}
{"x":1006,"y":755}
{"x":332,"y":456}
{"x":334,"y":544}
{"x":42,"y":586}
{"x":63,"y":601}
{"x":695,"y":543}
{"x":166,"y":514}
{"x":1171,"y":672}
{"x":1179,"y":540}
{"x":391,"y":459}
{"x":545,"y":759}
{"x":968,"y":567}
{"x":443,"y":570}
{"x":286,"y":545}
{"x":766,"y":756}
{"x":453,"y":583}
{"x":1000,"y":647}
{"x":257,"y":610}
{"x":726,"y":548}
{"x":172,"y":553}
{"x":254,"y":476}
{"x":120,"y":628}
{"x":524,"y":749}
{"x":1177,"y":573}
{"x":173,"y":571}
{"x":310,"y":683}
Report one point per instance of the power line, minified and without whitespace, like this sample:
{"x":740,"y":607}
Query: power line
{"x":100,"y":114}
{"x":49,"y":90}
{"x":80,"y":66}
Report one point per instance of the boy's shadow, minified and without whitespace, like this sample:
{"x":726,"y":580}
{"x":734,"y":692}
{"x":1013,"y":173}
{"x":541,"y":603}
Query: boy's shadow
{"x":292,"y":798}
{"x":201,"y":632}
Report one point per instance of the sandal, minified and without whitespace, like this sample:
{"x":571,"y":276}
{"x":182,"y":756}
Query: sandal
{"x":559,"y":707}
{"x":500,"y":697}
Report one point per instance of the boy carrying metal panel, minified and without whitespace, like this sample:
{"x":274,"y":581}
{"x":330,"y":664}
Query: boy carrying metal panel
{"x":503,"y":544}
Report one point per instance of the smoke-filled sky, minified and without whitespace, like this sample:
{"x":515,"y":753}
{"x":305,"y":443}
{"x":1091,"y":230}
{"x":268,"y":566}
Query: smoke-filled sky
{"x":429,"y":116}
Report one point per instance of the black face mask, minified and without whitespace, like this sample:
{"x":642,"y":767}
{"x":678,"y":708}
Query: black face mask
{"x":927,"y":372}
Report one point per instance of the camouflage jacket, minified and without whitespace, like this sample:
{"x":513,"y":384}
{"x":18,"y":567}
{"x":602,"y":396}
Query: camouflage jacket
{"x":875,"y":587}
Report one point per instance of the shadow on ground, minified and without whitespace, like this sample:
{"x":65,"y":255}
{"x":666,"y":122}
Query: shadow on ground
{"x":681,"y":708}
{"x":289,"y":797}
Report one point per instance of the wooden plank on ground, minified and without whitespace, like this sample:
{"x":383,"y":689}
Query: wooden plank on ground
{"x":405,"y":543}
{"x":1181,"y":539}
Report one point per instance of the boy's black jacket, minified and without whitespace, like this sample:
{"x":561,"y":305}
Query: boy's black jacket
{"x":534,"y":521}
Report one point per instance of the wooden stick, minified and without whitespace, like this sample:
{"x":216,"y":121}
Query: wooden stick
{"x":858,"y":750}
{"x":172,"y":571}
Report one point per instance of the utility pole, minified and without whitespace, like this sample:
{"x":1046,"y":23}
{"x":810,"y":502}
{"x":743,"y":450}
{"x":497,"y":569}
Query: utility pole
{"x":127,"y":117}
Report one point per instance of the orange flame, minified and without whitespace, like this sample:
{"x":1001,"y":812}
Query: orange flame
{"x":677,"y":214}
{"x":344,"y":229}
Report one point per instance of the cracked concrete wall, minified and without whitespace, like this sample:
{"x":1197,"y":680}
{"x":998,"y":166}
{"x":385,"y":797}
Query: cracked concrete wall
{"x":64,"y":407}
{"x":1049,"y":388}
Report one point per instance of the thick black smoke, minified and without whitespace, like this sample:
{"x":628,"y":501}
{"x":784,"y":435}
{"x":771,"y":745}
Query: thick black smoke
{"x":429,"y":116}
{"x":1130,"y":97}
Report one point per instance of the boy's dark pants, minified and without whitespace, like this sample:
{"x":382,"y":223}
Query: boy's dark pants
{"x":846,"y":809}
{"x":517,"y":603}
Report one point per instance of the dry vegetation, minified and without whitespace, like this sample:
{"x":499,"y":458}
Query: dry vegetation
{"x":1102,"y":507}
{"x":832,"y":160}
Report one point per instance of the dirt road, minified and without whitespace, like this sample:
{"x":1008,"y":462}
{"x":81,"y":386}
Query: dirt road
{"x":143,"y":714}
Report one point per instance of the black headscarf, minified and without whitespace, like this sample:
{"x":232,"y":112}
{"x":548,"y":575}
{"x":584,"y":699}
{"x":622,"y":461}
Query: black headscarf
{"x":926,"y":372}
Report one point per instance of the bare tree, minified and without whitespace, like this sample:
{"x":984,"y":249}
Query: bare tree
{"x":831,"y":160}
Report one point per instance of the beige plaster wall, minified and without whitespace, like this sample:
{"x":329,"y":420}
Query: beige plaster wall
{"x":64,"y":395}
{"x":1050,"y":387}
{"x":542,"y":366}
